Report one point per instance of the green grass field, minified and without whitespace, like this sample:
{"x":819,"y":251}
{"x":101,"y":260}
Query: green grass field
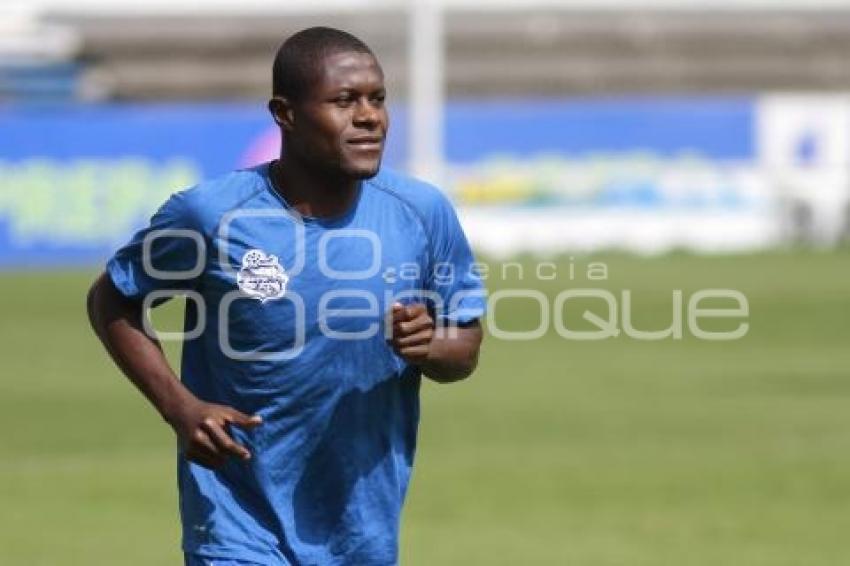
{"x":617,"y":452}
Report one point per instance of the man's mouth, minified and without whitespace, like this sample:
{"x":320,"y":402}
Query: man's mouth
{"x":367,"y":143}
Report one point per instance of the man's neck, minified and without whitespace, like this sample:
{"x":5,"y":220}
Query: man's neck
{"x":312,"y":194}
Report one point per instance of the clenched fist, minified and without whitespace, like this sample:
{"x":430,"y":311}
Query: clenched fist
{"x":412,"y":332}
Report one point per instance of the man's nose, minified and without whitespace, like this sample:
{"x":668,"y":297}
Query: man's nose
{"x":365,"y":114}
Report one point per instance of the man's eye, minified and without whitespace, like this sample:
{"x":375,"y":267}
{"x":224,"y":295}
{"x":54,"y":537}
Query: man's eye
{"x":343,"y":101}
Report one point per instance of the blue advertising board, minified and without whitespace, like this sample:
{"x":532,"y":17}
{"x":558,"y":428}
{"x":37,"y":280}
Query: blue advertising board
{"x":76,"y":180}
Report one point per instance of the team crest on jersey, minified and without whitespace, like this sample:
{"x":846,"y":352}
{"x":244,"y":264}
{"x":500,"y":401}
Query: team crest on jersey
{"x":261,"y":276}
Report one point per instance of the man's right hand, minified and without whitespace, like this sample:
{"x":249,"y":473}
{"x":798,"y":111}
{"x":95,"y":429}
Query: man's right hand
{"x":202,"y":428}
{"x":202,"y":431}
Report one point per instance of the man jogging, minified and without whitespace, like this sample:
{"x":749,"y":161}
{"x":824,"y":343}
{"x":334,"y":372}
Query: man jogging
{"x":319,"y":289}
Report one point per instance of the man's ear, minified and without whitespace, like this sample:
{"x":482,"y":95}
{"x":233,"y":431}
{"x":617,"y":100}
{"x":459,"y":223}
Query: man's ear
{"x":282,"y":112}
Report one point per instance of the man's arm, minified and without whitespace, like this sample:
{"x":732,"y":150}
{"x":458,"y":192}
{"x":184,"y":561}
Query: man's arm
{"x":445,"y":354}
{"x":201,"y":428}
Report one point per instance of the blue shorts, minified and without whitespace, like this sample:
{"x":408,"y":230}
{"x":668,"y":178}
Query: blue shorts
{"x":195,"y":560}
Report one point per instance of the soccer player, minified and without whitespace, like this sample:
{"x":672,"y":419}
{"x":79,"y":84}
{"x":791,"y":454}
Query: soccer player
{"x":320,"y":288}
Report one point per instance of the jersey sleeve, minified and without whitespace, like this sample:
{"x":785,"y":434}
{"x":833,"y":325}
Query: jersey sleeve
{"x":168,"y":254}
{"x":454,"y":275}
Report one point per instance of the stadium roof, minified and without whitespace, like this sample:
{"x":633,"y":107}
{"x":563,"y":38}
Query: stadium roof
{"x":213,"y":7}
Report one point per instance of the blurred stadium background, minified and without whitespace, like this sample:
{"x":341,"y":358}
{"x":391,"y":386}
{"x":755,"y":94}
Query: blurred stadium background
{"x":686,"y":145}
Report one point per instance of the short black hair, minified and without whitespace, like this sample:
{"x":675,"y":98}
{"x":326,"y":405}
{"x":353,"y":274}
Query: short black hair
{"x":298,"y":59}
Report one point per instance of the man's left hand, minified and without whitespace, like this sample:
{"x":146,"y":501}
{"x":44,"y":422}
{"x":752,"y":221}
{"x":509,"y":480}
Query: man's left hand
{"x":412,"y":332}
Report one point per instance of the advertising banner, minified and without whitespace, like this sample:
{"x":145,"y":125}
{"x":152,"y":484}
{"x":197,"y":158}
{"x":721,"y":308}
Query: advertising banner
{"x":644,"y":173}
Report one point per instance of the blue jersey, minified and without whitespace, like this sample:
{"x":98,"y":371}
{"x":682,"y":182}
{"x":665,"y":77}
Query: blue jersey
{"x":285,"y":318}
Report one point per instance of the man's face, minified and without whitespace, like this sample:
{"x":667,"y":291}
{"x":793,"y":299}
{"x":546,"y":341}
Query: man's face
{"x":341,"y":122}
